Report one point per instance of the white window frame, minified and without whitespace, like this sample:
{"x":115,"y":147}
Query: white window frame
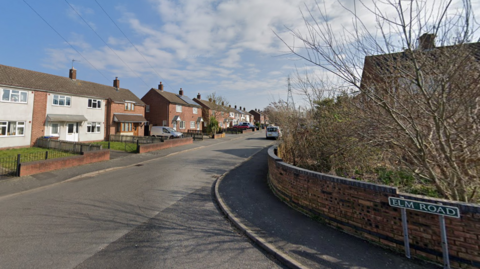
{"x":58,"y":129}
{"x":232,"y":114}
{"x":95,"y":127}
{"x":5,"y":125}
{"x":182,"y":124}
{"x":164,"y":123}
{"x":15,"y":96}
{"x":179,"y":108}
{"x":94,"y":103}
{"x":192,"y":125}
{"x":195,"y":110}
{"x":64,"y":98}
{"x":130,"y":106}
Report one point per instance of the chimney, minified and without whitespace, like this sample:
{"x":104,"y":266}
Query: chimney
{"x":116,"y":83}
{"x":180,"y":92}
{"x":214,"y":101}
{"x":240,"y":108}
{"x":160,"y":86}
{"x":235,"y":106}
{"x":229,"y":105}
{"x":73,"y":74}
{"x":210,"y":100}
{"x":426,"y":42}
{"x":223,"y":103}
{"x":199,"y":97}
{"x":244,"y":109}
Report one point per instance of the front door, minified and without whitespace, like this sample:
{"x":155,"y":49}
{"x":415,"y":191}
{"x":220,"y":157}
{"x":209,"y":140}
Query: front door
{"x":72,"y":132}
{"x":135,"y":129}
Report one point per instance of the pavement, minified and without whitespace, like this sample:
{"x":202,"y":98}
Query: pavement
{"x":243,"y":195}
{"x":294,"y":239}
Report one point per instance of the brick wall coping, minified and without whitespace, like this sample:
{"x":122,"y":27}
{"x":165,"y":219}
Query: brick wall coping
{"x":464,"y":207}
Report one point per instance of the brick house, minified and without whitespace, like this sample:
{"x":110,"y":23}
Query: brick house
{"x":35,"y":104}
{"x":258,"y":116}
{"x":211,"y":108}
{"x":174,"y":110}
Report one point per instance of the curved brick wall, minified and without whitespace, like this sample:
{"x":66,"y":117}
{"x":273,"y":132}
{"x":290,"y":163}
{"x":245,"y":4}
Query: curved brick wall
{"x":361,"y":209}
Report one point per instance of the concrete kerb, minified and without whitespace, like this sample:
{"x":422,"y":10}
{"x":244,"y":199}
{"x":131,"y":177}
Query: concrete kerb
{"x":280,"y":255}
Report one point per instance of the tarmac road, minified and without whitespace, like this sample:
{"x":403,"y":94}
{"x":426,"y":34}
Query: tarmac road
{"x":157,"y":214}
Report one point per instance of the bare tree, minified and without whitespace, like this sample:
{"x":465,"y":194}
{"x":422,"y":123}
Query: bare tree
{"x":418,"y":99}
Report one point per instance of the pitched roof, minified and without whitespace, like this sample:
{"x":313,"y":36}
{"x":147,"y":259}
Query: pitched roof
{"x":175,"y":98}
{"x":211,"y":105}
{"x":18,"y":77}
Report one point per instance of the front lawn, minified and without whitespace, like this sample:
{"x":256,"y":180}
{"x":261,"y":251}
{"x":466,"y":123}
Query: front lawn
{"x":33,"y":153}
{"x":122,"y":146}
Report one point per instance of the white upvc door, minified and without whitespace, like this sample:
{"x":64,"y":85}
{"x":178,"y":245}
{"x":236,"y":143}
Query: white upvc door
{"x":175,"y":125}
{"x":72,"y":132}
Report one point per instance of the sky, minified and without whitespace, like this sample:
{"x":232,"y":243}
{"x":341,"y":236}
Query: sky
{"x":229,"y":47}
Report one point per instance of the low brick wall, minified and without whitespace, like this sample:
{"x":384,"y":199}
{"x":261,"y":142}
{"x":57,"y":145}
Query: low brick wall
{"x":143,"y":148}
{"x":217,"y":136}
{"x":362,"y":209}
{"x":36,"y":167}
{"x":247,"y":131}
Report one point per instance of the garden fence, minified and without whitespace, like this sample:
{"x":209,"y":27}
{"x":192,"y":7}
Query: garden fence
{"x":75,"y":147}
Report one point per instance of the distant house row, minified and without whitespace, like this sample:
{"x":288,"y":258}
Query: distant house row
{"x":35,"y":104}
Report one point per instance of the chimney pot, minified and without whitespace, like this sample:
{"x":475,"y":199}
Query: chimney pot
{"x":73,"y":74}
{"x":240,"y":108}
{"x":116,"y":83}
{"x":223,"y":103}
{"x":160,"y":86}
{"x":244,"y":109}
{"x":180,"y":92}
{"x":199,"y":97}
{"x":229,"y":105}
{"x":235,"y":106}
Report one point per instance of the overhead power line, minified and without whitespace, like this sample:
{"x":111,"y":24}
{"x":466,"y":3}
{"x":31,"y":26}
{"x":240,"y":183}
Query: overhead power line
{"x":64,"y":39}
{"x":105,"y":42}
{"x":118,"y":27}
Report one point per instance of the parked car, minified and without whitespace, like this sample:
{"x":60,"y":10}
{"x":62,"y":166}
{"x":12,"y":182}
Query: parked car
{"x":245,"y":125}
{"x":273,"y":132}
{"x":164,"y":131}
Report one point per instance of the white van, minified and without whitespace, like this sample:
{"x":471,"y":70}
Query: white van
{"x":164,"y":131}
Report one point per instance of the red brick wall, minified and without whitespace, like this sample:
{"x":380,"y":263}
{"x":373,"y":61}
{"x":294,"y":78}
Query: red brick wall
{"x":143,"y":148}
{"x":111,"y":126}
{"x":361,"y":209}
{"x":39,"y":115}
{"x":158,"y":108}
{"x":60,"y":163}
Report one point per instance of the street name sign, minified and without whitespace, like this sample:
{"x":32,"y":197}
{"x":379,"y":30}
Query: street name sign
{"x":448,"y":211}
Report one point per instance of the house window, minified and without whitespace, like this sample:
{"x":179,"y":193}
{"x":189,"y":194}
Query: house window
{"x":182,"y":125}
{"x":126,"y":126}
{"x":54,"y":129}
{"x":14,"y":96}
{"x":93,"y":103}
{"x":93,"y":127}
{"x":192,"y":125}
{"x":61,"y":100}
{"x":179,"y":108}
{"x":129,"y":106}
{"x":232,"y":114}
{"x":164,"y":123}
{"x":12,"y":128}
{"x":195,"y":110}
{"x":147,"y":108}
